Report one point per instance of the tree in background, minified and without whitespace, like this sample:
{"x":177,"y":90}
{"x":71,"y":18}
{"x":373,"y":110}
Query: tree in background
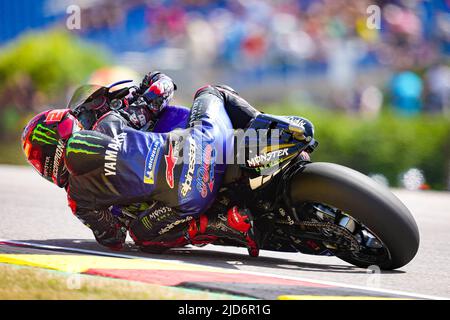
{"x":38,"y":69}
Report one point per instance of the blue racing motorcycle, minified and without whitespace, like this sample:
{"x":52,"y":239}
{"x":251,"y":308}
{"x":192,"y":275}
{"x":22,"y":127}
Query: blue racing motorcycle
{"x":301,"y":206}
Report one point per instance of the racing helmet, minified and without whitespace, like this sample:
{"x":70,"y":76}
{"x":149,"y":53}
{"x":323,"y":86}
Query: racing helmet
{"x":44,"y":141}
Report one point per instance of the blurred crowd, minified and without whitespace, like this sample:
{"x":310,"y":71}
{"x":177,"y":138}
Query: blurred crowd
{"x":251,"y":32}
{"x":282,"y":38}
{"x":336,"y":41}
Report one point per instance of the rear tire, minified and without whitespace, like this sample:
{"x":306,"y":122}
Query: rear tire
{"x":365,"y":200}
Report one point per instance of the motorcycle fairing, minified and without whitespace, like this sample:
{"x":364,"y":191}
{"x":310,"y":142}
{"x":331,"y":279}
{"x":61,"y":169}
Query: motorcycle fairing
{"x":296,"y":134}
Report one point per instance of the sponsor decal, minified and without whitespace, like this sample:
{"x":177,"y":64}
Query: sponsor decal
{"x":171,"y":160}
{"x":44,"y":135}
{"x":267,"y":157}
{"x":55,"y":115}
{"x":156,"y":214}
{"x":198,"y":108}
{"x":138,"y":119}
{"x":112,"y":152}
{"x":174,"y":224}
{"x":205,"y":174}
{"x":77,"y":144}
{"x":186,"y":186}
{"x":297,"y":121}
{"x":150,"y":161}
{"x":47,"y":165}
{"x":58,"y":157}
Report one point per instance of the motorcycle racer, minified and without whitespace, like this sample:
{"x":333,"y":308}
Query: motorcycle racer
{"x":116,"y":165}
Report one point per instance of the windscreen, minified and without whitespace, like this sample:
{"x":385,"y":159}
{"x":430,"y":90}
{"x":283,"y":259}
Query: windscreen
{"x":91,"y":96}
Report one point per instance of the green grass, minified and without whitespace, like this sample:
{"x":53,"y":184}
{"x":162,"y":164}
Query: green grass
{"x":28,"y":283}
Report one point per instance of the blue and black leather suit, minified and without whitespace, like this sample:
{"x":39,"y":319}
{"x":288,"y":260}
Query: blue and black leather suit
{"x":168,"y":178}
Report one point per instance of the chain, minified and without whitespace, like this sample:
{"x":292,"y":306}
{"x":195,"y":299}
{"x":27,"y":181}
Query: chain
{"x":336,"y":230}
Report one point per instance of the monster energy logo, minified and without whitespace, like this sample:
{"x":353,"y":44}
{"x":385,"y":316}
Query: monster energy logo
{"x":44,"y":135}
{"x":58,"y":156}
{"x":81,"y":145}
{"x":146,"y":222}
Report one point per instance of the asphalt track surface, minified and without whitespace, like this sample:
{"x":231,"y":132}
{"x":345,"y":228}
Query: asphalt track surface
{"x":36,"y":211}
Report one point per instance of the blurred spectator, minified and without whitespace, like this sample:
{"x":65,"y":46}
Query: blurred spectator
{"x":438,"y":84}
{"x":406,"y":89}
{"x":371,"y":102}
{"x":342,"y":71}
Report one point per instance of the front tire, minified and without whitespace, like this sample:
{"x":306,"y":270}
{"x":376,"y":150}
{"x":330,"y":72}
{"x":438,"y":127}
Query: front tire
{"x":368,"y":202}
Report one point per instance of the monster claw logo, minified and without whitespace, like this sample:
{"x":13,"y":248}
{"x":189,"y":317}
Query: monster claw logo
{"x":83,"y":146}
{"x":171,"y":160}
{"x":44,"y":135}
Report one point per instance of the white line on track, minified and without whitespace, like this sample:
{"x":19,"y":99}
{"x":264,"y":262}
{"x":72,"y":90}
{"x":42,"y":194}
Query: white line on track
{"x":118,"y":255}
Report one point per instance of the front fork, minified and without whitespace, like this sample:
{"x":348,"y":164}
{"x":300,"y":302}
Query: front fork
{"x":272,"y":206}
{"x":297,"y":165}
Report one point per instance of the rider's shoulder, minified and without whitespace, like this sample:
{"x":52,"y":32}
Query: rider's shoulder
{"x":108,"y":120}
{"x":85,"y":151}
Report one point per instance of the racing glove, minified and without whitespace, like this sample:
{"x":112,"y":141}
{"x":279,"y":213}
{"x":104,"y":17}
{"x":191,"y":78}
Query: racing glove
{"x":157,"y":90}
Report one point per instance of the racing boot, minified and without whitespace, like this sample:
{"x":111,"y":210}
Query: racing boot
{"x":236,"y":224}
{"x":157,"y":228}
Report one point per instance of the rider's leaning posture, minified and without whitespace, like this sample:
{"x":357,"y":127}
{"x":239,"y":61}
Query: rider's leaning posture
{"x":172,"y":177}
